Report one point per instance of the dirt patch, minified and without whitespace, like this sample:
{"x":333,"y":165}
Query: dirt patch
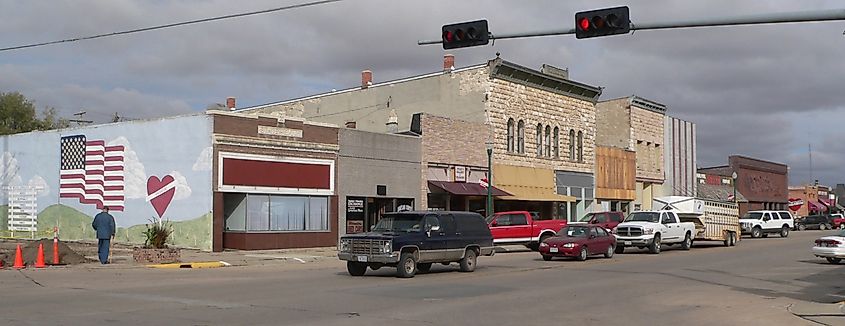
{"x":29,"y":249}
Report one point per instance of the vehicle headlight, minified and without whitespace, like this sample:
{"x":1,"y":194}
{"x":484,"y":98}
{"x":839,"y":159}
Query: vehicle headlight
{"x":543,"y":244}
{"x":344,"y":245}
{"x":388,"y":247}
{"x":614,"y":230}
{"x":569,"y":245}
{"x":648,"y":231}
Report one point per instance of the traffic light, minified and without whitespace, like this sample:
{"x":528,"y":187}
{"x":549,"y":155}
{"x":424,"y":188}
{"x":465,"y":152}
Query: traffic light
{"x":602,"y":22}
{"x":466,"y":34}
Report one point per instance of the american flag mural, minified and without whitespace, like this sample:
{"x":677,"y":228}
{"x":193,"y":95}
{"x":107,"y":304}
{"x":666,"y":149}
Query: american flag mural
{"x":92,"y":172}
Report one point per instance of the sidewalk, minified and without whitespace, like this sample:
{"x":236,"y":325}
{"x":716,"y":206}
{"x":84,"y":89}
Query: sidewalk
{"x":122,"y":257}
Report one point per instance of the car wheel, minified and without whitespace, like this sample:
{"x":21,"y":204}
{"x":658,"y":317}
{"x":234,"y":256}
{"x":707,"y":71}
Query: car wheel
{"x":407,"y":266}
{"x":423,"y":267}
{"x":802,"y":227}
{"x":822,"y":227}
{"x":468,"y":263}
{"x":727,"y":240}
{"x":784,"y":232}
{"x":687,"y":242}
{"x":756,"y":232}
{"x":619,"y":249}
{"x":547,"y":257}
{"x":356,"y":268}
{"x":609,"y":252}
{"x":833,"y":260}
{"x":582,"y":256}
{"x":654,"y":246}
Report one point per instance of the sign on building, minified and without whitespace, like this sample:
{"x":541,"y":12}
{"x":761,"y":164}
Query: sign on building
{"x":23,"y":208}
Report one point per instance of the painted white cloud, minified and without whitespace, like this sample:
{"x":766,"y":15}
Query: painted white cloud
{"x":38,"y":182}
{"x":9,"y":170}
{"x":182,"y":189}
{"x":134,"y":174}
{"x":203,"y":162}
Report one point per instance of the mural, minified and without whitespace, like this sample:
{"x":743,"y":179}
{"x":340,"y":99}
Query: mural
{"x":144,"y":171}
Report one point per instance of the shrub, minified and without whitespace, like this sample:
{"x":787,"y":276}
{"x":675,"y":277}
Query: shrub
{"x":157,"y":234}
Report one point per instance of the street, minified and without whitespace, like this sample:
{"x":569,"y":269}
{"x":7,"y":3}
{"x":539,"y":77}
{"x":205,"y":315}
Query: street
{"x":754,"y":283}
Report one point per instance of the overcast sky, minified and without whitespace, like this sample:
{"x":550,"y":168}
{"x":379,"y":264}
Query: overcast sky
{"x":761,"y":91}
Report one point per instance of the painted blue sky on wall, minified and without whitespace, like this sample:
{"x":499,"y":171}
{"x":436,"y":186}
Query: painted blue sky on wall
{"x":166,"y":166}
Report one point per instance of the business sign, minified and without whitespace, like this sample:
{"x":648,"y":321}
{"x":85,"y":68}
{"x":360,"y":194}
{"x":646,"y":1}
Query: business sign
{"x":483,"y":182}
{"x":354,"y":227}
{"x":460,"y":174}
{"x":795,"y":203}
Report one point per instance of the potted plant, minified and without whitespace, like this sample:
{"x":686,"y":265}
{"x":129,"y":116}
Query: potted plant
{"x":155,"y":250}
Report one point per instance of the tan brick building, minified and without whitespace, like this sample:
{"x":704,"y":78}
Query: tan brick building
{"x":635,"y":124}
{"x":541,"y":127}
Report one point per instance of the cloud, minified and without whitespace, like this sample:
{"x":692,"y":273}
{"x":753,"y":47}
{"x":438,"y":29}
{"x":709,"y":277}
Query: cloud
{"x":183,"y":190}
{"x":203,"y":162}
{"x":134,"y":174}
{"x":41,"y":184}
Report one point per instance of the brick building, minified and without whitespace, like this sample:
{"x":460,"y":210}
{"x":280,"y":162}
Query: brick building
{"x":635,"y":124}
{"x":762,"y":183}
{"x":541,"y":126}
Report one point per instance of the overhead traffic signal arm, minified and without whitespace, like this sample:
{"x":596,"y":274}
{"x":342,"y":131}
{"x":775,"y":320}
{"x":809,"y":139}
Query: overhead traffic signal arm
{"x":466,"y":34}
{"x":602,"y":22}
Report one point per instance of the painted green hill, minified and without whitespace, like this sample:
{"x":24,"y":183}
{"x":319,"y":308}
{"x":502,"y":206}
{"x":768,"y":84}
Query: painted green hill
{"x":194,"y":233}
{"x":73,"y":224}
{"x":4,"y":222}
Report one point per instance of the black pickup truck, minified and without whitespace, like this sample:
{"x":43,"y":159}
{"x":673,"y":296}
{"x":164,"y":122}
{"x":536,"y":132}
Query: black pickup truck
{"x":413,"y":241}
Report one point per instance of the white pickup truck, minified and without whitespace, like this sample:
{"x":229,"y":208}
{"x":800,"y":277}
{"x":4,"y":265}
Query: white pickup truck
{"x":652,"y":229}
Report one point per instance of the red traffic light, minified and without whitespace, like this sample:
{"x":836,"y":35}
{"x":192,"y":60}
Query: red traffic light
{"x":448,"y":36}
{"x":465,"y":34}
{"x":584,"y":23}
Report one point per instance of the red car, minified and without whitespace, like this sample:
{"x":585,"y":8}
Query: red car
{"x":579,"y":240}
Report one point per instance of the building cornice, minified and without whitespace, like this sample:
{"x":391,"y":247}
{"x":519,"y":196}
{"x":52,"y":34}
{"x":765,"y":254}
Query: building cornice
{"x":526,"y":76}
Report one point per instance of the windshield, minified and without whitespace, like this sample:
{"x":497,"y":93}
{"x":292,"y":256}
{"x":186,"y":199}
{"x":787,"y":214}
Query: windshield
{"x":653,"y":217}
{"x":753,"y":216}
{"x":399,"y":223}
{"x":574,"y":232}
{"x":586,"y":218}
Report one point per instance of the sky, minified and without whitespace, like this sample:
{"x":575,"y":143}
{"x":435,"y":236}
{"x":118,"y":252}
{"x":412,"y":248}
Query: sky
{"x":769,"y":91}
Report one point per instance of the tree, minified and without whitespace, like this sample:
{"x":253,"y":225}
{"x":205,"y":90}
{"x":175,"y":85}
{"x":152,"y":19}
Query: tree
{"x":18,"y":114}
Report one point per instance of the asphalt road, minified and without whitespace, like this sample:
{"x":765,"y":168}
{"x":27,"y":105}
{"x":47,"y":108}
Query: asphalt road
{"x":754,"y":283}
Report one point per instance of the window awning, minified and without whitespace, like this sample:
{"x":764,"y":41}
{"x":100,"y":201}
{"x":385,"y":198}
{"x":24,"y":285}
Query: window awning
{"x":816,"y":207}
{"x":528,"y":184}
{"x":466,"y":189}
{"x":824,"y":201}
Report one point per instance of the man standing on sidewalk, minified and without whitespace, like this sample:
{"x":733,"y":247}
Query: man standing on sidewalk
{"x":104,"y":225}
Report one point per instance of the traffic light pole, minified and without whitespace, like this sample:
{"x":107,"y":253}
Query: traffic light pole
{"x":774,"y":18}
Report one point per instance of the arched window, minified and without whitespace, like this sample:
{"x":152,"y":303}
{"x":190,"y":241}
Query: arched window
{"x":539,"y":140}
{"x":580,"y":146}
{"x":548,"y":141}
{"x":571,"y":144}
{"x":520,"y":134}
{"x":511,"y":138}
{"x":556,"y":142}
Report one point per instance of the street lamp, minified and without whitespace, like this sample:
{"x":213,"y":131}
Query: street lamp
{"x":489,"y":144}
{"x":734,"y":176}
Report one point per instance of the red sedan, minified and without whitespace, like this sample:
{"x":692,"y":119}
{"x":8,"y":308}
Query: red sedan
{"x":579,"y":240}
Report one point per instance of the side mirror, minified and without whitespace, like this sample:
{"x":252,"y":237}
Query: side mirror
{"x":592,"y":236}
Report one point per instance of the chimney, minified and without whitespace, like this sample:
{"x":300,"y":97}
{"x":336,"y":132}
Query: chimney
{"x":350,"y":124}
{"x":230,"y":103}
{"x":366,"y":79}
{"x":392,"y":122}
{"x":448,"y":62}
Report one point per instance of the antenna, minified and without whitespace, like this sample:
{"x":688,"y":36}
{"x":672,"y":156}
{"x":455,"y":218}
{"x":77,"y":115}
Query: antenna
{"x":79,"y":121}
{"x":810,"y":146}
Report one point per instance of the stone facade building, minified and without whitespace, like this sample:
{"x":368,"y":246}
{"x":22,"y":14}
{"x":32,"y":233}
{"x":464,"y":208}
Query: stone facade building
{"x":541,"y":127}
{"x":636,"y":124}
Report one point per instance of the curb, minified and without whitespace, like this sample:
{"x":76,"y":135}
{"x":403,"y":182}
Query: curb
{"x":207,"y":264}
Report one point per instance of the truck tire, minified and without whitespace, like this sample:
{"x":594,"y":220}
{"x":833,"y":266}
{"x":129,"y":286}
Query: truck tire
{"x":756,"y":232}
{"x":469,"y":260}
{"x":582,"y":256}
{"x":801,"y":227}
{"x":733,"y":239}
{"x":784,"y":231}
{"x":833,"y":260}
{"x":407,"y":266}
{"x":727,"y":240}
{"x":609,"y":252}
{"x":356,"y":268}
{"x":687,"y":242}
{"x":423,"y":267}
{"x":619,"y":249}
{"x":654,"y":246}
{"x":822,"y":227}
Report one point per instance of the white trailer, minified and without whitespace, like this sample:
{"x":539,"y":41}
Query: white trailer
{"x":714,"y":220}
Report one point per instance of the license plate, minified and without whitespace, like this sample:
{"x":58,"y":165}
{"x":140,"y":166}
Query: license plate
{"x":552,"y":249}
{"x":627,"y":243}
{"x":362,"y":259}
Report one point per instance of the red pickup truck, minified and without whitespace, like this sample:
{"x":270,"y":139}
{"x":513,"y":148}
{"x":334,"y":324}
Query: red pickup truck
{"x":522,"y":227}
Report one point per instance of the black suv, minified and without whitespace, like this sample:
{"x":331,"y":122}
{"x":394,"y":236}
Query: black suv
{"x":820,"y":222}
{"x":412,"y":241}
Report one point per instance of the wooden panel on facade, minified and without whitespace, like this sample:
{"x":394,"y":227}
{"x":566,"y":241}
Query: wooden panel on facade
{"x":616,"y":171}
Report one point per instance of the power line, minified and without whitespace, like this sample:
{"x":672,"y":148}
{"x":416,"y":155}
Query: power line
{"x":145,"y":29}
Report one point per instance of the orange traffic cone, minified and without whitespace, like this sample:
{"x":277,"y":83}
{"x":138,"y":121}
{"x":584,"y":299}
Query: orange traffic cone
{"x":39,"y":261}
{"x":55,"y":251}
{"x":19,"y":258}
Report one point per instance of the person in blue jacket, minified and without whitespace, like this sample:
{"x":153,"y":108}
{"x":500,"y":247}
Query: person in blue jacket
{"x":104,"y":225}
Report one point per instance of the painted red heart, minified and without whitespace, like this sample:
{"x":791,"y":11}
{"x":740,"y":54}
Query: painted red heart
{"x":162,"y":200}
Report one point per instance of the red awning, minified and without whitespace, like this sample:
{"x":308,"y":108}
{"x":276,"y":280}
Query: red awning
{"x":824,"y":201}
{"x":466,"y":189}
{"x":815,"y":207}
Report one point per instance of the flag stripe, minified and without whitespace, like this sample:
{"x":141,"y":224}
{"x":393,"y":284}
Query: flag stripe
{"x":92,"y":172}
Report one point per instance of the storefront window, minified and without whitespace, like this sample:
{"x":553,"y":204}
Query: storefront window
{"x":250,"y":212}
{"x":257,"y":209}
{"x":234,"y":211}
